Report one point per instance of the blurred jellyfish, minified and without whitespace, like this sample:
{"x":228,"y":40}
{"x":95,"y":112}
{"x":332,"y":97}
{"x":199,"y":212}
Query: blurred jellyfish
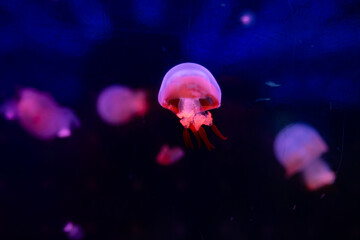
{"x":73,"y":231}
{"x":168,"y":156}
{"x":117,"y":104}
{"x":189,"y":90}
{"x":40,"y":115}
{"x":298,"y":148}
{"x":247,"y":18}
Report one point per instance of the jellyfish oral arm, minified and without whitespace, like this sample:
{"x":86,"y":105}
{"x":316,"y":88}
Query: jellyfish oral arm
{"x":190,"y":114}
{"x":192,"y":117}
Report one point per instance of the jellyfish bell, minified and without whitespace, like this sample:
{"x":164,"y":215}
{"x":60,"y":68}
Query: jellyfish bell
{"x":118,"y":104}
{"x":189,"y":90}
{"x":298,"y":148}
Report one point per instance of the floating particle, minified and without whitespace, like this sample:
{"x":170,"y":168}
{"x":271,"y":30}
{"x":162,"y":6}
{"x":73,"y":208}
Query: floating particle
{"x":272,"y":84}
{"x":169,"y":156}
{"x":262,"y":99}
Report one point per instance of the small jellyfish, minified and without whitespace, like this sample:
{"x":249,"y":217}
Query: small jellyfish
{"x":247,"y":18}
{"x":168,"y":156}
{"x":298,"y":148}
{"x":117,"y":105}
{"x":40,"y":115}
{"x":189,"y":90}
{"x":73,"y":231}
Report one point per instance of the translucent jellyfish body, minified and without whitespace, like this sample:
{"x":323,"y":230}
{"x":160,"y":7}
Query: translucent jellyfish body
{"x":118,"y":104}
{"x":189,"y":90}
{"x":168,"y":156}
{"x":298,"y":148}
{"x":40,"y":115}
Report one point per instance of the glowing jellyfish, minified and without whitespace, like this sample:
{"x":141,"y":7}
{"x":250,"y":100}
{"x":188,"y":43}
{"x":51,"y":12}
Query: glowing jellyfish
{"x":168,"y":156}
{"x":189,"y":90}
{"x":73,"y":231}
{"x":40,"y":115}
{"x":117,"y":104}
{"x":298,"y":148}
{"x":247,"y":18}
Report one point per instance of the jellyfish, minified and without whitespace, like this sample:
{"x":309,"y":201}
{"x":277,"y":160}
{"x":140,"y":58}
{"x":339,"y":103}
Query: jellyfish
{"x":298,"y":148}
{"x":168,"y":156}
{"x":247,"y":18}
{"x":73,"y":231}
{"x":117,"y":105}
{"x":40,"y":115}
{"x":189,"y":90}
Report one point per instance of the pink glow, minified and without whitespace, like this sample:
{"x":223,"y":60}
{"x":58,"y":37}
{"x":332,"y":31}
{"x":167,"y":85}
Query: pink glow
{"x":40,"y":115}
{"x":118,"y":104}
{"x":298,"y":148}
{"x":189,"y":90}
{"x":247,"y":18}
{"x":73,"y":231}
{"x":317,"y":175}
{"x":168,"y":156}
{"x":64,"y":133}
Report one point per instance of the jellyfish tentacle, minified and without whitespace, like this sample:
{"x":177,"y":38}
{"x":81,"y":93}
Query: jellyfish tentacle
{"x":203,"y":136}
{"x":196,"y":134}
{"x":187,"y":139}
{"x":217,"y":132}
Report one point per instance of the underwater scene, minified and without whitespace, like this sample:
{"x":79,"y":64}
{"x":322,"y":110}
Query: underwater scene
{"x":192,"y":119}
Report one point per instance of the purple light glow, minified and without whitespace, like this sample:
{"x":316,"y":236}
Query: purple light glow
{"x":8,"y":109}
{"x":73,"y":231}
{"x":247,"y":18}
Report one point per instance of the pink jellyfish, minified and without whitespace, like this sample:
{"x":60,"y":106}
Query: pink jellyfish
{"x":298,"y":147}
{"x":40,"y":115}
{"x":189,"y":90}
{"x":168,"y":156}
{"x":118,"y":104}
{"x":73,"y":231}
